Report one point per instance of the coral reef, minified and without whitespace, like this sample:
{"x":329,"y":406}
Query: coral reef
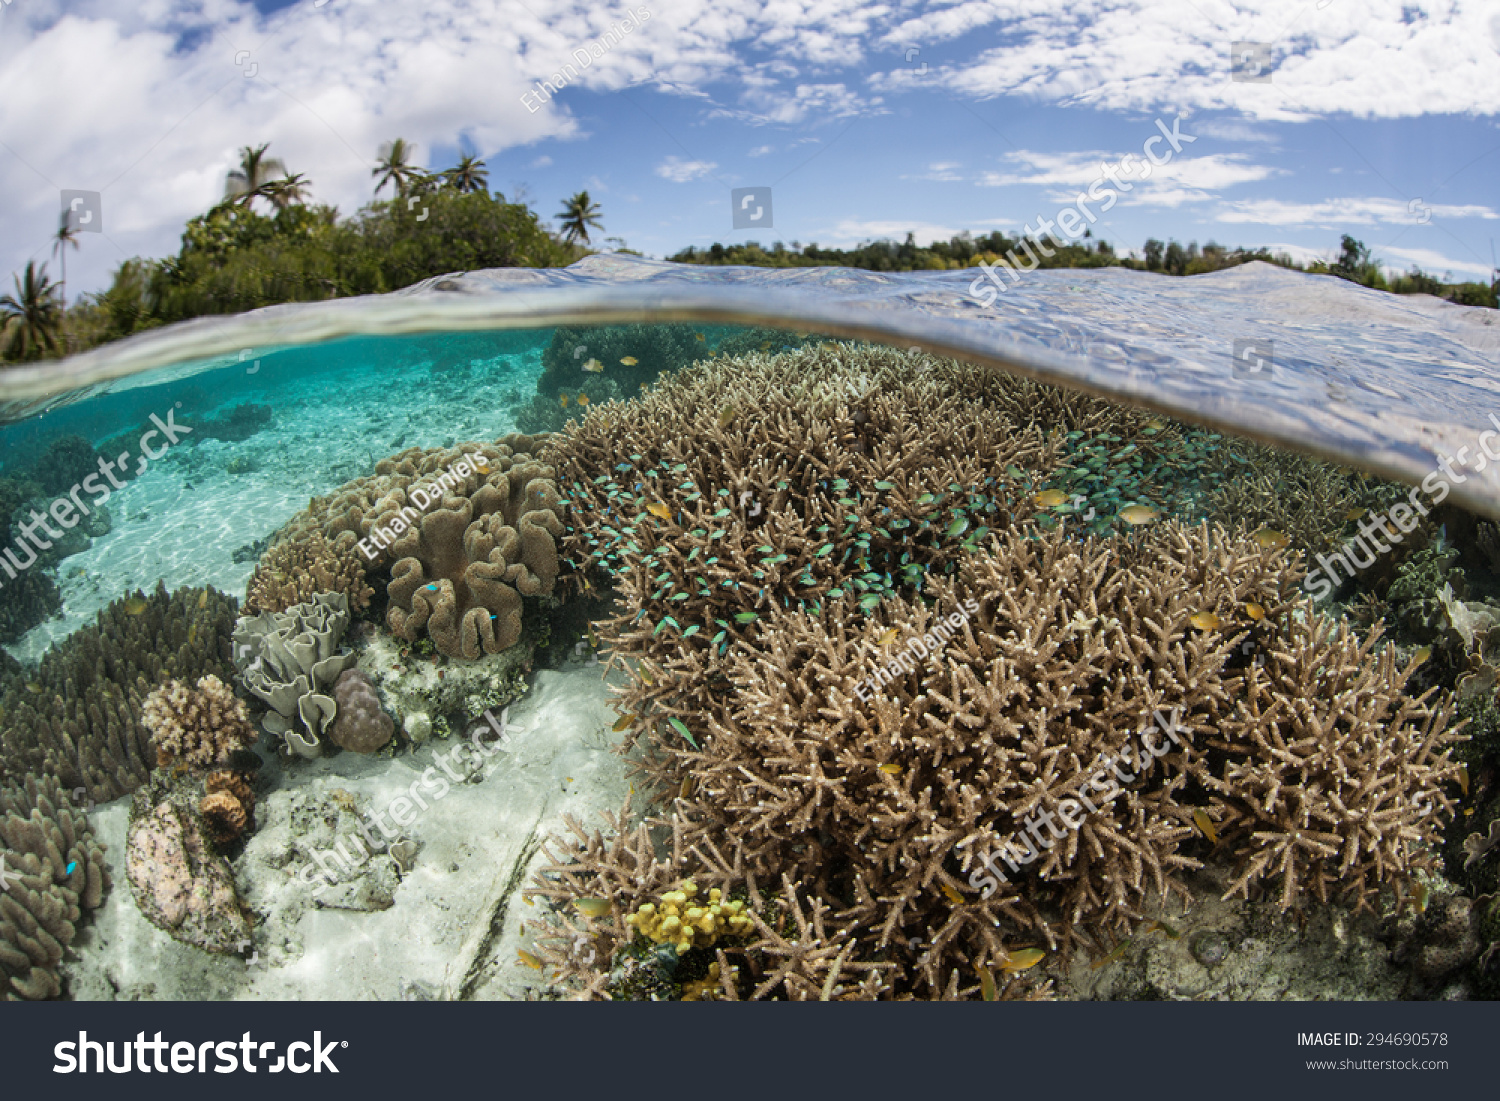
{"x":360,"y":725}
{"x":240,"y":423}
{"x":61,"y":875}
{"x":290,"y":660}
{"x":295,"y":571}
{"x":1310,"y":501}
{"x":77,"y":716}
{"x":871,"y":670}
{"x":181,"y":884}
{"x":26,"y":602}
{"x":201,"y":727}
{"x":66,"y":462}
{"x":466,"y":532}
{"x":656,"y":349}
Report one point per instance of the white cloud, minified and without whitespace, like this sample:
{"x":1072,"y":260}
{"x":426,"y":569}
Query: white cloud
{"x":1433,"y":263}
{"x":762,"y":150}
{"x":1380,"y":59}
{"x":1182,"y":180}
{"x":680,"y":171}
{"x":1331,"y":213}
{"x":541,"y":162}
{"x":941,"y":172}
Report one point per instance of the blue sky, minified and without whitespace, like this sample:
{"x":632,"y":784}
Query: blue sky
{"x":1381,"y":120}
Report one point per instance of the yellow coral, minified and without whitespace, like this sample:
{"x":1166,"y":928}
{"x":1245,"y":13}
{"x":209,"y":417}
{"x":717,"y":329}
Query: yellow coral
{"x":682,"y":921}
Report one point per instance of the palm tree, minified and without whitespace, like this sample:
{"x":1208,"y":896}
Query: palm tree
{"x":254,"y":178}
{"x":66,"y":235}
{"x":32,"y":316}
{"x":395,"y":166}
{"x":577,"y":215}
{"x":287,"y":191}
{"x":467,"y":175}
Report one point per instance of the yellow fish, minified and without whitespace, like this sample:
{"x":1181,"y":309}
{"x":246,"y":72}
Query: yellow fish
{"x":563,"y":400}
{"x":1154,"y":425}
{"x":699,"y":337}
{"x":895,"y":770}
{"x":1138,"y":514}
{"x":1114,"y":955}
{"x":135,"y":605}
{"x":1205,"y":621}
{"x":656,"y":508}
{"x":1463,"y":779}
{"x":1354,"y":514}
{"x":1023,"y":960}
{"x":1051,"y":498}
{"x":629,"y":361}
{"x":1421,"y":656}
{"x":1205,"y":826}
{"x":952,"y":895}
{"x":685,"y":789}
{"x":529,"y":960}
{"x":622,"y":722}
{"x":583,"y":399}
{"x":193,"y":635}
{"x":530,"y":901}
{"x":1255,"y":611}
{"x":591,"y":907}
{"x":203,"y":599}
{"x":593,"y":366}
{"x":764,"y":344}
{"x":34,"y":688}
{"x":1269,"y":539}
{"x":727,"y":415}
{"x":646,"y":675}
{"x":987,"y":987}
{"x":1421,"y":896}
{"x":887,"y":636}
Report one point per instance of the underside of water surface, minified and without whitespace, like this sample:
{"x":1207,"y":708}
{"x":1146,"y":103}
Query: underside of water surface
{"x":630,"y":632}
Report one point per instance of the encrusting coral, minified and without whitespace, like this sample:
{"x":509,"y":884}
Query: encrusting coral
{"x":55,"y":870}
{"x":684,"y":920}
{"x":77,"y":715}
{"x":291,"y":660}
{"x":465,"y":532}
{"x":200,"y":727}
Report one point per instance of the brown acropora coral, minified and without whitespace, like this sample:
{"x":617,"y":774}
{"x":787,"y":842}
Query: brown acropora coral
{"x":77,"y":716}
{"x":201,"y":726}
{"x":465,"y":532}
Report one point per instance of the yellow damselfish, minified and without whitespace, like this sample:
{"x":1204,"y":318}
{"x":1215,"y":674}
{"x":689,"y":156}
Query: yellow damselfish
{"x":1255,"y":611}
{"x":952,"y":895}
{"x":529,"y":960}
{"x":1204,"y":621}
{"x":1023,"y":960}
{"x":591,"y":907}
{"x":656,"y":508}
{"x":1051,"y":498}
{"x":135,"y":605}
{"x":895,"y":770}
{"x":629,"y":361}
{"x":1138,"y":514}
{"x":887,"y":636}
{"x":1205,"y":826}
{"x":1270,"y":539}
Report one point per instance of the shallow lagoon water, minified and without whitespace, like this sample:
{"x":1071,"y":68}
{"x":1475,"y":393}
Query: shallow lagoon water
{"x":1388,"y":385}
